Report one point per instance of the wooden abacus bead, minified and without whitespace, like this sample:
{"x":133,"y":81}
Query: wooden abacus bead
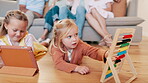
{"x":127,"y":36}
{"x":121,"y":56}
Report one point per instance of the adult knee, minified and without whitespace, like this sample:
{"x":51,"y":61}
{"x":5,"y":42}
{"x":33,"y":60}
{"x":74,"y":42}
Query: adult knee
{"x":63,"y":9}
{"x":56,"y":8}
{"x":81,"y":10}
{"x":88,"y":15}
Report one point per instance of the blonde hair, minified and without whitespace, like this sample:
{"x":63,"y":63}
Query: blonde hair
{"x":61,"y":30}
{"x":10,"y":15}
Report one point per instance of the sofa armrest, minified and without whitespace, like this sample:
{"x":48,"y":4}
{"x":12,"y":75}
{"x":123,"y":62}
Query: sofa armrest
{"x":132,"y":8}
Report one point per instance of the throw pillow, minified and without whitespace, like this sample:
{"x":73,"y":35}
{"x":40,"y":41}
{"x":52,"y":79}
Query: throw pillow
{"x":119,"y":9}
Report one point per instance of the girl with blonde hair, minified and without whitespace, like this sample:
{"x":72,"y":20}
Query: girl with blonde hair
{"x":67,"y":49}
{"x":13,"y":32}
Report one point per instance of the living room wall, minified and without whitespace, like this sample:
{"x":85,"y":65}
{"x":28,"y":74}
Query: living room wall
{"x":143,"y":13}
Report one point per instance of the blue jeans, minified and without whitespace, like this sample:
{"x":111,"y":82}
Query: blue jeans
{"x":79,"y":17}
{"x":50,"y":17}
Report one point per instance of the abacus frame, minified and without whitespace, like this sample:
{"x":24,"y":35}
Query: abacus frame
{"x":110,"y":64}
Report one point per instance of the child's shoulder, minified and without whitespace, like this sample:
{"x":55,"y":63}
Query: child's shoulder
{"x":30,"y":36}
{"x":3,"y":37}
{"x":83,"y":44}
{"x":2,"y":40}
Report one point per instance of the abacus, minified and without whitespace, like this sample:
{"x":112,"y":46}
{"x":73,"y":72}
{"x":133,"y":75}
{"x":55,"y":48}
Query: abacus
{"x":119,"y":49}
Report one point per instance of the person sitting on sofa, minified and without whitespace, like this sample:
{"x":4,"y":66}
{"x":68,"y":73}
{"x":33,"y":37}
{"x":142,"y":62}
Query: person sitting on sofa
{"x":74,"y":9}
{"x":32,"y":9}
{"x":51,"y":16}
{"x":97,"y":12}
{"x":60,"y":10}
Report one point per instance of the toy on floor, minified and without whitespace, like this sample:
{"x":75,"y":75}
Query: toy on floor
{"x":119,"y":48}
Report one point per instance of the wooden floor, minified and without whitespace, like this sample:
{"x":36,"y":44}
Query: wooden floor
{"x":48,"y":74}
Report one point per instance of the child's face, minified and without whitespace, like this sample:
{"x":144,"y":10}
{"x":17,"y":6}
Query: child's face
{"x":72,"y":39}
{"x":16,"y":29}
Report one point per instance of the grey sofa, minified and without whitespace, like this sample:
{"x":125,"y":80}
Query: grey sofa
{"x":89,"y":34}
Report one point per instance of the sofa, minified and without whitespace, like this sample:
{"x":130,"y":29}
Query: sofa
{"x":89,"y":34}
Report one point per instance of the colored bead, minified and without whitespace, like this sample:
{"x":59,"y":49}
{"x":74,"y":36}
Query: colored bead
{"x":123,"y":48}
{"x":126,"y":40}
{"x":108,"y":75}
{"x":120,"y":53}
{"x":109,"y":71}
{"x":121,"y":56}
{"x":123,"y":45}
{"x":117,"y":61}
{"x":127,"y":36}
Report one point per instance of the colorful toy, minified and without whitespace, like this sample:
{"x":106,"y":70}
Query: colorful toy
{"x":119,"y":48}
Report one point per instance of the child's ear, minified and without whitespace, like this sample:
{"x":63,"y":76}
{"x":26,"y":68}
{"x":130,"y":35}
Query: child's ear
{"x":5,"y":25}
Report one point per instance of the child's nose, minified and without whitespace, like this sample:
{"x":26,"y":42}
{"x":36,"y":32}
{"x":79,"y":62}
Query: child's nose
{"x":74,"y":38}
{"x":18,"y":33}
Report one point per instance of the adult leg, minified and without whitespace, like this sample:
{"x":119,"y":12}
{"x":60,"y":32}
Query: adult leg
{"x":102,"y":22}
{"x":94,"y":23}
{"x":80,"y":19}
{"x":63,"y":12}
{"x":30,"y":17}
{"x":50,"y":17}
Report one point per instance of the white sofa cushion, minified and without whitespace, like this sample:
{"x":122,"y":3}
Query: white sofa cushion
{"x":39,"y":22}
{"x":122,"y":21}
{"x":117,"y":21}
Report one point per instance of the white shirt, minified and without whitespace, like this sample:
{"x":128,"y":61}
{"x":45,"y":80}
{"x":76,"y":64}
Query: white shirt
{"x":73,"y":3}
{"x":100,"y":5}
{"x":69,"y":55}
{"x":29,"y":39}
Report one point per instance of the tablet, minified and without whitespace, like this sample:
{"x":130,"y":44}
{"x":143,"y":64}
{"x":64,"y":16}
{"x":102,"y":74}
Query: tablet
{"x":18,"y":56}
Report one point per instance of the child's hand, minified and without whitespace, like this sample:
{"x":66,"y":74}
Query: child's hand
{"x":44,"y":44}
{"x":106,"y":54}
{"x":113,"y":57}
{"x":82,"y":70}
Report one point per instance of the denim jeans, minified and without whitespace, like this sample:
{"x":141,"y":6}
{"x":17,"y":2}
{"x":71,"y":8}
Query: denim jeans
{"x":50,"y":17}
{"x":79,"y":17}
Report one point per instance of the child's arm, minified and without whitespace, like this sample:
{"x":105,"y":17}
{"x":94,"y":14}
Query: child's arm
{"x":60,"y":63}
{"x":106,"y":55}
{"x":37,"y":48}
{"x":93,"y":52}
